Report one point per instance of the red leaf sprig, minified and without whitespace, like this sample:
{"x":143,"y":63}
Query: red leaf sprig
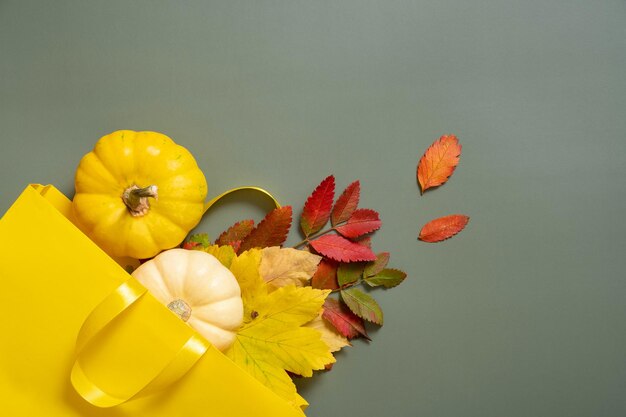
{"x":346,"y":249}
{"x":347,"y":221}
{"x":348,"y":260}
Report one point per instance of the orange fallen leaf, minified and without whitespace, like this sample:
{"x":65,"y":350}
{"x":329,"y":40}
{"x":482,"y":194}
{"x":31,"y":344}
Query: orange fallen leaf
{"x":438,"y":162}
{"x":443,"y":228}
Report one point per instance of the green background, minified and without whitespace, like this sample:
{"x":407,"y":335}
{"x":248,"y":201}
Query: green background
{"x":522,"y":314}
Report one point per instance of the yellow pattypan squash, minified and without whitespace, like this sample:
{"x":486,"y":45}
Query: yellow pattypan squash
{"x":138,"y":193}
{"x":197,"y":288}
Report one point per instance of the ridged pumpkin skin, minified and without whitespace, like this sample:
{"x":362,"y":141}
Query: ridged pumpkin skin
{"x":207,"y":287}
{"x":124,"y":159}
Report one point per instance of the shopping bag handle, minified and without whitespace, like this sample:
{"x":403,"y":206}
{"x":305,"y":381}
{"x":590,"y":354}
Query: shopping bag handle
{"x":116,"y":303}
{"x":211,"y":202}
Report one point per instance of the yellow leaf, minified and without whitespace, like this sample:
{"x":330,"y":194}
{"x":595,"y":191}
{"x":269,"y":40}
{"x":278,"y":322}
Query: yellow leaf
{"x":284,"y":266}
{"x":245,"y":268}
{"x":274,"y":341}
{"x":330,"y":336}
{"x":272,"y":377}
{"x":292,"y":305}
{"x":225,"y":254}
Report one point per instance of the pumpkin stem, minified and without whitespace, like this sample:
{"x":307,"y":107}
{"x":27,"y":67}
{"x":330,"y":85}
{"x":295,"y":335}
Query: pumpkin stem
{"x":136,"y":199}
{"x":180,"y":308}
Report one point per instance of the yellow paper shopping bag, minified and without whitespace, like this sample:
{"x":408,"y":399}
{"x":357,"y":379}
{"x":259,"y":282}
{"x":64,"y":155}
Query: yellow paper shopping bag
{"x":80,"y":337}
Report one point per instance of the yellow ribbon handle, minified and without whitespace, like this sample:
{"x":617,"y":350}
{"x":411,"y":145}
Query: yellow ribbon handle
{"x":97,"y":323}
{"x":211,"y":202}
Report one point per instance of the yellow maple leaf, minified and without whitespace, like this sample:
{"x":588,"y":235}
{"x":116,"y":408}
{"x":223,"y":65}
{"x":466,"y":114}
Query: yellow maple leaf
{"x":273,"y":339}
{"x":225,"y":254}
{"x":245,"y":268}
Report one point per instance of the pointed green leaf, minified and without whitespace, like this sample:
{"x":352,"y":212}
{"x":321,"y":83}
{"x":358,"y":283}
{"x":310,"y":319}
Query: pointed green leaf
{"x":347,"y":273}
{"x":388,"y":278}
{"x":363,"y":305}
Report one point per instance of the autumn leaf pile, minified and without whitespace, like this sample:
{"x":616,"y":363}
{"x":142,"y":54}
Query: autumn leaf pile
{"x":301,"y":304}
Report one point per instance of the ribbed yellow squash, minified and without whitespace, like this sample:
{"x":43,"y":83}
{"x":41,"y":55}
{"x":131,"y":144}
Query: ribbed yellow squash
{"x":138,"y":193}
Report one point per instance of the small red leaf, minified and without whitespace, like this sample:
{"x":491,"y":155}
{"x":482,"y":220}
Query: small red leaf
{"x":438,"y":162}
{"x":346,"y":203}
{"x":361,"y":222}
{"x":190,"y":245}
{"x":237,"y":232}
{"x":325,"y":277}
{"x":317,"y":207}
{"x":443,"y":228}
{"x":341,"y":249}
{"x":272,"y":231}
{"x":345,"y":321}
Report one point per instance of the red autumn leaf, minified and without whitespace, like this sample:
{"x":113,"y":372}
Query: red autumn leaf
{"x":345,"y":321}
{"x":443,"y":228}
{"x":438,"y":162}
{"x":325,"y":277}
{"x":341,"y":249}
{"x":361,"y":222}
{"x":237,"y":232}
{"x":317,"y":207}
{"x":346,"y":203}
{"x":272,"y":231}
{"x":236,"y":245}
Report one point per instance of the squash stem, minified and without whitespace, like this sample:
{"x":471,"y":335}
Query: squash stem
{"x":136,"y":199}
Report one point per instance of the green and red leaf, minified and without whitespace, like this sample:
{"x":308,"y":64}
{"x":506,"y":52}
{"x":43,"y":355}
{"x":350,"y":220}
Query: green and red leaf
{"x":363,"y":305}
{"x":362,"y":221}
{"x":197,"y":241}
{"x":388,"y":278}
{"x":348,"y":273}
{"x":345,"y":321}
{"x":443,"y":228}
{"x":373,"y":268}
{"x":346,"y":203}
{"x":317,"y":207}
{"x":341,"y":249}
{"x":271,"y":231}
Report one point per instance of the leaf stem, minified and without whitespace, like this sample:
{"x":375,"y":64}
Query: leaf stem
{"x":350,"y":285}
{"x":313,"y":237}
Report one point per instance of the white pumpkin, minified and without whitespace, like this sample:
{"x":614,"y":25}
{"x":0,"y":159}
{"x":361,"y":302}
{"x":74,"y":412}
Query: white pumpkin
{"x":198,"y":289}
